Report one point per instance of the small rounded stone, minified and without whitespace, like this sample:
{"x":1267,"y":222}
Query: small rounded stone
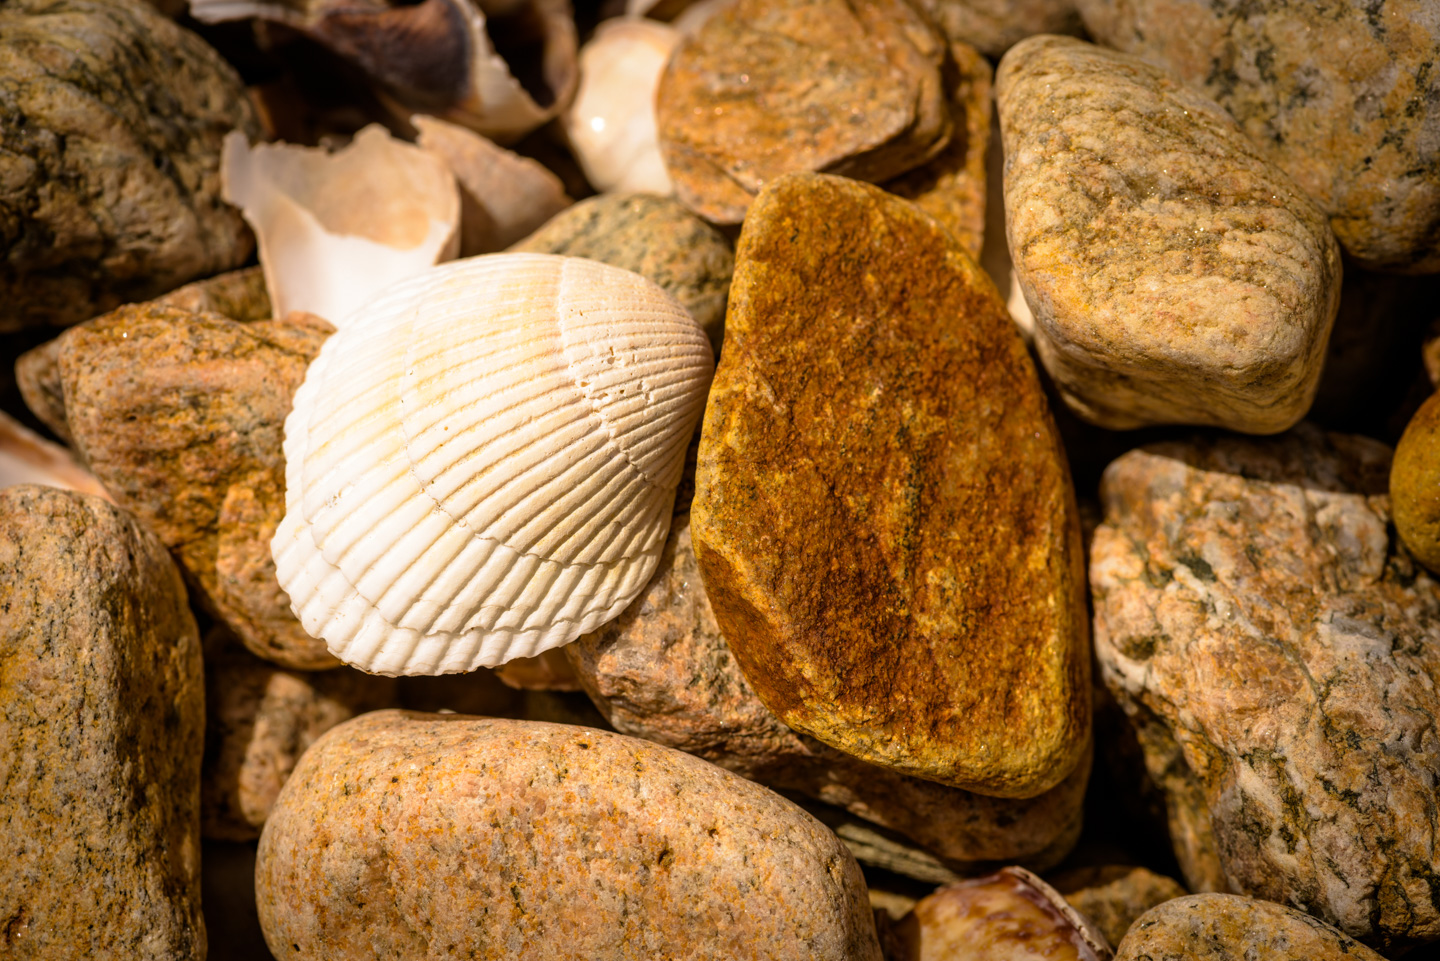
{"x":1415,"y":484}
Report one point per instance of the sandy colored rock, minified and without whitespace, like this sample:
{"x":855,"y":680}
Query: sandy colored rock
{"x":883,"y":515}
{"x":509,"y":839}
{"x":100,"y":736}
{"x":1176,"y":276}
{"x":1415,"y":484}
{"x":768,"y":87}
{"x":657,"y":238}
{"x":110,"y":174}
{"x":1344,"y":96}
{"x":662,"y":671}
{"x":1278,"y":654}
{"x":259,"y":720}
{"x":1223,"y":927}
{"x":1114,"y":896}
{"x":994,"y":26}
{"x":181,"y":416}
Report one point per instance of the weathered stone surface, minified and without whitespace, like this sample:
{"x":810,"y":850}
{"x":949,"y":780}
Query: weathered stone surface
{"x":662,"y":671}
{"x":259,"y":720}
{"x":951,"y":188}
{"x":1278,"y":654}
{"x":503,"y":839}
{"x":882,"y":514}
{"x":1176,"y":276}
{"x":768,"y":87}
{"x":1415,"y":484}
{"x":100,"y":736}
{"x":110,"y":166}
{"x":656,"y":237}
{"x":1223,"y":927}
{"x":1114,"y":896}
{"x":994,"y":26}
{"x":181,"y":416}
{"x":1344,"y":96}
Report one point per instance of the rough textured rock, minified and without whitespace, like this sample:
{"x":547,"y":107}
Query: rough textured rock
{"x":1278,"y":654}
{"x":994,"y":26}
{"x":1223,"y":927}
{"x":398,"y":832}
{"x":181,"y":416}
{"x":656,"y":237}
{"x":1176,"y":276}
{"x":883,"y":515}
{"x":1114,"y":896}
{"x":1344,"y":96}
{"x":100,"y":736}
{"x":662,"y":671}
{"x":110,"y":161}
{"x":767,"y":87}
{"x":1415,"y":484}
{"x":259,"y":720}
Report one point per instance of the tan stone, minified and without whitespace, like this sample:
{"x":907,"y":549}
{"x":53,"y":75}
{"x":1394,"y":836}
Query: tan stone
{"x":883,"y":515}
{"x":100,"y":736}
{"x":1278,"y":654}
{"x":1415,"y":484}
{"x":181,"y":416}
{"x":1223,"y":927}
{"x":994,"y":26}
{"x":506,"y":839}
{"x":1176,"y":276}
{"x":767,"y":87}
{"x":1341,"y":95}
{"x":662,"y":671}
{"x":1114,"y":896}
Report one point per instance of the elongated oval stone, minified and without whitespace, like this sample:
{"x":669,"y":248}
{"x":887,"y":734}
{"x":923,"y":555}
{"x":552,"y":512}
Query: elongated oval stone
{"x":883,"y":514}
{"x":1224,"y":927}
{"x":1175,"y":274}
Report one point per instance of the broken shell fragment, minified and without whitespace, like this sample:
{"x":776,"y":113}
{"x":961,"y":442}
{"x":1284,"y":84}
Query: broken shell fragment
{"x":481,"y":464}
{"x":611,"y":124}
{"x":504,"y":197}
{"x":28,"y":458}
{"x":335,"y":228}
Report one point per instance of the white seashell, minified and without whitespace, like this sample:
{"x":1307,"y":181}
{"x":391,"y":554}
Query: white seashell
{"x":611,"y":124}
{"x":335,"y":228}
{"x":482,"y":464}
{"x":28,"y":458}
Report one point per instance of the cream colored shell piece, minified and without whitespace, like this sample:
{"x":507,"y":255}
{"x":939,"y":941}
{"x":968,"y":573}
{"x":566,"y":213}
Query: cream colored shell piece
{"x":482,"y":464}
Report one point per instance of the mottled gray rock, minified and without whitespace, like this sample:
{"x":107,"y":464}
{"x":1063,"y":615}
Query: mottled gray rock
{"x":1278,"y":653}
{"x":100,"y":736}
{"x":1223,"y":927}
{"x":1176,"y":276}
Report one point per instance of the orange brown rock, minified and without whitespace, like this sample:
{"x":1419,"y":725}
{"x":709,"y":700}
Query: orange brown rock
{"x":1223,"y":927}
{"x":1415,"y":484}
{"x":1114,"y":896}
{"x":883,"y":514}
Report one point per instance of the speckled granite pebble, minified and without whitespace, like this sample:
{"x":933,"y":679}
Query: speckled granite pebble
{"x":1279,"y":656}
{"x":994,"y":26}
{"x":1415,"y":484}
{"x":181,"y":416}
{"x":1176,"y":276}
{"x":656,"y":237}
{"x":1114,"y":896}
{"x":662,"y":671}
{"x":1223,"y":927}
{"x":1343,"y":95}
{"x":100,"y":736}
{"x":409,"y":835}
{"x":259,"y":720}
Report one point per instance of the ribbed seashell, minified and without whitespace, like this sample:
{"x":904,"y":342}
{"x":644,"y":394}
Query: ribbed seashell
{"x":482,"y":464}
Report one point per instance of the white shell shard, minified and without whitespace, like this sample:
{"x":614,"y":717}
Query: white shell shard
{"x":481,"y":465}
{"x":335,"y":228}
{"x":611,"y":124}
{"x":28,"y":458}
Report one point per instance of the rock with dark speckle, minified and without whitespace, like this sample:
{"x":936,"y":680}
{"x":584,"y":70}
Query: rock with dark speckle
{"x":1415,"y":484}
{"x":100,"y":736}
{"x":504,"y":839}
{"x":1223,"y":927}
{"x":1114,"y":896}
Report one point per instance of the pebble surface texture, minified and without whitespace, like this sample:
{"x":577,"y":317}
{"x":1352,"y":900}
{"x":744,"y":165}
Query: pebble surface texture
{"x":883,"y":515}
{"x":1343,"y":95}
{"x":994,"y":26}
{"x":1415,"y":484}
{"x":110,"y":160}
{"x":1176,"y":276}
{"x":1278,"y":654}
{"x":662,"y":671}
{"x":656,"y":237}
{"x":1113,"y":897}
{"x":181,"y":416}
{"x":410,"y":835}
{"x":100,"y":736}
{"x":1223,"y":927}
{"x":767,"y":87}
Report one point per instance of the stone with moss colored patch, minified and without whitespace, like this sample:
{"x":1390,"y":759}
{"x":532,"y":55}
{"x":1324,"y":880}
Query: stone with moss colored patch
{"x":1223,"y":927}
{"x":1415,"y":484}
